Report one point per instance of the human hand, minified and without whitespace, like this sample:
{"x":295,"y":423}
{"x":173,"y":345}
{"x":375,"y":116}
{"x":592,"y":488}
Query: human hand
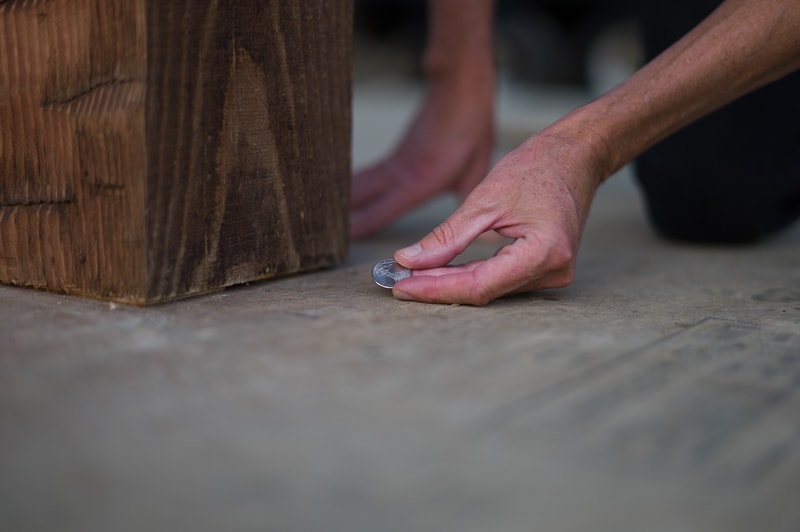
{"x":538,"y":195}
{"x":446,"y":149}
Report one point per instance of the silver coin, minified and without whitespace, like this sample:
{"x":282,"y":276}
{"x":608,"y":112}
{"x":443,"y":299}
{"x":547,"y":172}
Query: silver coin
{"x":388,"y":273}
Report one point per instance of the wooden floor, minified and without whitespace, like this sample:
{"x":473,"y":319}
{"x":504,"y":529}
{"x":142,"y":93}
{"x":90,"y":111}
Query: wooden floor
{"x":660,"y":392}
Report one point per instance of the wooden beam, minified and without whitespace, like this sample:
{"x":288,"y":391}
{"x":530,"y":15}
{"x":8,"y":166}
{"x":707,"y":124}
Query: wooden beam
{"x":153,"y":150}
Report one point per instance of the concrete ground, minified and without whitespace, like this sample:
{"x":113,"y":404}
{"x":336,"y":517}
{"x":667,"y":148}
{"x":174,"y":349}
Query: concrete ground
{"x":659,"y":392}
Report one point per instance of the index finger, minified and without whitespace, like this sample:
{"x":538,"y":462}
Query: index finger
{"x":476,"y":283}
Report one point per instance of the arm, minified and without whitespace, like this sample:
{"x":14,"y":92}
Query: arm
{"x":449,"y":143}
{"x":540,"y":193}
{"x":742,"y":46}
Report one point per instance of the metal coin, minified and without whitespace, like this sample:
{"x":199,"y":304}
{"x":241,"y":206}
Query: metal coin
{"x":388,"y":273}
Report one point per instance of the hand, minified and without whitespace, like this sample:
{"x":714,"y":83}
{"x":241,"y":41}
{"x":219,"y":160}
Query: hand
{"x":446,"y":149}
{"x":539,"y":195}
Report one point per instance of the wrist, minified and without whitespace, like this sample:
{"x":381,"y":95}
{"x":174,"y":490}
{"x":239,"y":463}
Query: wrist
{"x":585,"y":136}
{"x":459,"y":69}
{"x":460,"y":48}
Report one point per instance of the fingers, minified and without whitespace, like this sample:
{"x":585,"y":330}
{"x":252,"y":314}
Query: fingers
{"x":384,"y":193}
{"x":520,"y":267}
{"x":474,"y":284}
{"x":371,"y":182}
{"x":380,"y":212}
{"x":377,"y":198}
{"x":459,"y":287}
{"x":447,"y":240}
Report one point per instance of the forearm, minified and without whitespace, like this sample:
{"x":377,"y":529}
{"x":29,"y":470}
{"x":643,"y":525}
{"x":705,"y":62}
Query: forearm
{"x":460,"y":47}
{"x":742,"y":46}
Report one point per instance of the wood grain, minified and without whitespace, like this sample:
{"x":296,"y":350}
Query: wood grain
{"x":154,"y":150}
{"x":249,"y":129}
{"x":72,"y":87}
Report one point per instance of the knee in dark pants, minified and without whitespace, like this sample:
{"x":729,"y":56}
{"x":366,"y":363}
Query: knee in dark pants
{"x":699,"y":208}
{"x":714,"y":182}
{"x":733,"y":176}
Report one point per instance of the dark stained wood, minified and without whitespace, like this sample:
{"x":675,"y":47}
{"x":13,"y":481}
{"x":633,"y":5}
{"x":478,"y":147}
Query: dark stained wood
{"x":72,"y":146}
{"x":249,"y":128}
{"x":153,"y":150}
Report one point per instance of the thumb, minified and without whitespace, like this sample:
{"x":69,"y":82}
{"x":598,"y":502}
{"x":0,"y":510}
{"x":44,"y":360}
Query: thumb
{"x":446,"y":241}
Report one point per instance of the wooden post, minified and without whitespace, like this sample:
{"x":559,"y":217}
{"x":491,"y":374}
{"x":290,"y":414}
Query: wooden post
{"x":151,"y":150}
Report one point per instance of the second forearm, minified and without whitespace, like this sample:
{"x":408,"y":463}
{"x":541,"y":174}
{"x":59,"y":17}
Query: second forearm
{"x":742,"y":46}
{"x":460,"y":46}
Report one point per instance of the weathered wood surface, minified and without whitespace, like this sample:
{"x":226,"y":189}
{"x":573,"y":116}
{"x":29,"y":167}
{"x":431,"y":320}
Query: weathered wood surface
{"x":72,"y":148}
{"x":152,"y":150}
{"x":659,"y":393}
{"x":262,"y":137}
{"x":319,"y":404}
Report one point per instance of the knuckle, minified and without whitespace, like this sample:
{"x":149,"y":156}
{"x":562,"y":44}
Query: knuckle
{"x":555,"y":267}
{"x":480,"y":295}
{"x":444,"y":234}
{"x":561,"y":256}
{"x":563,"y":278}
{"x":561,"y":265}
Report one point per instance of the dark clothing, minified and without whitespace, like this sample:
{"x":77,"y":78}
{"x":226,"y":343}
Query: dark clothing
{"x":733,"y":176}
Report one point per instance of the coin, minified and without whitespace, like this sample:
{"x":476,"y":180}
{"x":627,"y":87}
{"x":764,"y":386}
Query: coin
{"x":388,"y":273}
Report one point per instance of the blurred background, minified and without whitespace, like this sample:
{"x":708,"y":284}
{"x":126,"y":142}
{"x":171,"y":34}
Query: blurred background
{"x":567,"y":42}
{"x":551,"y":57}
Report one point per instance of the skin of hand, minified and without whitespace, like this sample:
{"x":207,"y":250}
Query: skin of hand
{"x":539,"y":196}
{"x":540,"y":193}
{"x":449,"y":144}
{"x":447,"y":149}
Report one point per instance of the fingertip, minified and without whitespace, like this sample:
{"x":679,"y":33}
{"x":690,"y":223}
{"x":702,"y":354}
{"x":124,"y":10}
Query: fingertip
{"x":427,"y":289}
{"x":409,"y":252}
{"x":357,"y":227}
{"x":401,"y":295}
